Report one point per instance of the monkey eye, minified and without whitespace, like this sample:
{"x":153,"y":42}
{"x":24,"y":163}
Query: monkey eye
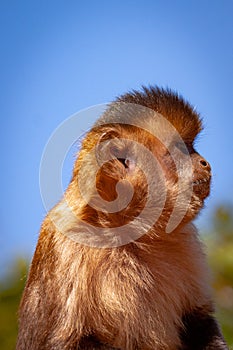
{"x":181,"y":146}
{"x":122,"y":157}
{"x":123,"y":161}
{"x":129,"y":163}
{"x":118,"y":153}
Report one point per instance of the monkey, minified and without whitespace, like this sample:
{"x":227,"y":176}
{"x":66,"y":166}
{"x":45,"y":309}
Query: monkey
{"x":119,"y":263}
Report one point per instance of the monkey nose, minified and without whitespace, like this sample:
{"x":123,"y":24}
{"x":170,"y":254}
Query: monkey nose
{"x":204,"y":164}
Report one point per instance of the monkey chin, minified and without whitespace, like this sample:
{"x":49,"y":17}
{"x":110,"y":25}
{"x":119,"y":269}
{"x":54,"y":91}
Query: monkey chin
{"x":200,"y":192}
{"x":201,"y":188}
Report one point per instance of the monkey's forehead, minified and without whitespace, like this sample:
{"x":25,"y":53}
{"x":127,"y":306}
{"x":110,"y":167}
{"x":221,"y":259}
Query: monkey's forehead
{"x":163,"y":123}
{"x":170,"y":105}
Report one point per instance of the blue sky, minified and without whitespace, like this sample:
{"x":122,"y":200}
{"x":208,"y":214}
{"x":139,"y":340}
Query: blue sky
{"x":60,"y":57}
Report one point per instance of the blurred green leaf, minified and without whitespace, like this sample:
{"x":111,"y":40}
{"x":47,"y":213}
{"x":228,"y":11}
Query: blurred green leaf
{"x":11,"y":288}
{"x":220,"y":254}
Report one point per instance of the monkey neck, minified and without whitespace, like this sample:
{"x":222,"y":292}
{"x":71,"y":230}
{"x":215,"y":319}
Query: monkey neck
{"x":133,"y":287}
{"x":150,"y":273}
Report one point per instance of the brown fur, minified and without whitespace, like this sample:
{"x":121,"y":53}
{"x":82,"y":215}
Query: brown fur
{"x":131,"y":296}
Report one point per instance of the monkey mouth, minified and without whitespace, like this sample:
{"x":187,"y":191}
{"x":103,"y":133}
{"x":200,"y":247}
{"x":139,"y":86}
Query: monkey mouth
{"x":201,"y":187}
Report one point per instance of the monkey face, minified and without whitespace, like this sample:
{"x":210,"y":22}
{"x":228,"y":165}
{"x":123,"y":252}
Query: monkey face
{"x":201,"y":176}
{"x":177,"y":164}
{"x":190,"y":174}
{"x":139,"y":172}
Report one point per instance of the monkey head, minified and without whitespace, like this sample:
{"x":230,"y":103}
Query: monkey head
{"x":138,"y":166}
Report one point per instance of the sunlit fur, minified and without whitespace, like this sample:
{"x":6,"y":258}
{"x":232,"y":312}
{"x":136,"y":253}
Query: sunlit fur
{"x":132,"y":296}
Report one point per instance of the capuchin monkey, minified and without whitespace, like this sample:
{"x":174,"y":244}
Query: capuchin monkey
{"x":119,"y":264}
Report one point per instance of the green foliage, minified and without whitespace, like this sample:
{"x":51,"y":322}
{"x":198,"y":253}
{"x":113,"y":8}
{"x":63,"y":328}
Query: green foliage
{"x":11,"y":288}
{"x":220,"y":253}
